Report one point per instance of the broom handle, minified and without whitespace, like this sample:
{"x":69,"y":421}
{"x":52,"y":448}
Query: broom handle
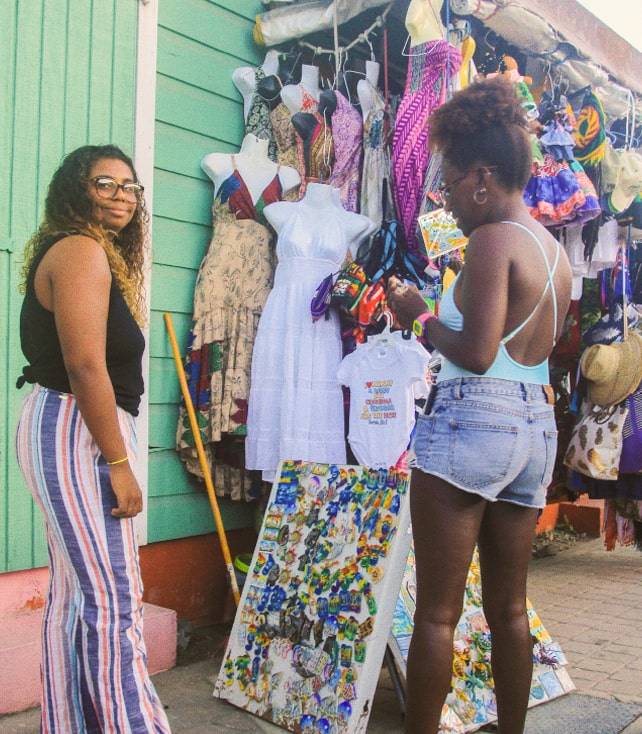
{"x":205,"y":467}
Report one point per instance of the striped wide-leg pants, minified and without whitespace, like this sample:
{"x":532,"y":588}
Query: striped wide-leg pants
{"x":94,"y":664}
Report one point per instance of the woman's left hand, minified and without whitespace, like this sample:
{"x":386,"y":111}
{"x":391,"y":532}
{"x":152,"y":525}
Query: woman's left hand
{"x":405,"y":301}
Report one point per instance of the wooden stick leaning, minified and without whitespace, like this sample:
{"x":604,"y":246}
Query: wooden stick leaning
{"x":205,"y":467}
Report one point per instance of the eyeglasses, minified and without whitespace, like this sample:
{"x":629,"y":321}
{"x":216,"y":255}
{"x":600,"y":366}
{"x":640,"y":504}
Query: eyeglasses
{"x":107,"y":188}
{"x":445,"y":190}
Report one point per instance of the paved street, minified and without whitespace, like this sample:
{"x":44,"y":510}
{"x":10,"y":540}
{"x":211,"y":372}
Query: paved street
{"x":591,"y":602}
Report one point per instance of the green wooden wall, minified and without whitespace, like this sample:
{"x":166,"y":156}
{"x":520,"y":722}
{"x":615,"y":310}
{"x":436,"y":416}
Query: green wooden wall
{"x":198,"y":111}
{"x":67,"y":76}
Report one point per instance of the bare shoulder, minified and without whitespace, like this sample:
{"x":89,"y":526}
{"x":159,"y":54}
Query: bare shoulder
{"x":78,"y":255}
{"x":490,"y":242}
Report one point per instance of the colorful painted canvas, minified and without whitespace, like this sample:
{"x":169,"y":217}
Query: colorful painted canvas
{"x":440,"y":233}
{"x":314,"y":618}
{"x":471,"y":702}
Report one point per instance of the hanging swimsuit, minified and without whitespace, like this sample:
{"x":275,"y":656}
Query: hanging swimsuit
{"x":504,"y":367}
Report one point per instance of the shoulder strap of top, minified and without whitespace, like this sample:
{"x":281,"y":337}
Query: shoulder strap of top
{"x":550,"y":272}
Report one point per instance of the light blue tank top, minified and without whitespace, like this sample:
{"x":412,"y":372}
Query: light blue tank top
{"x":504,"y":367}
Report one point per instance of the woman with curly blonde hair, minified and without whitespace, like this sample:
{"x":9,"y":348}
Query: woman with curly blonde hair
{"x":80,"y":333}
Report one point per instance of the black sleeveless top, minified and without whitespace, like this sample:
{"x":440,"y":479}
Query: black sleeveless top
{"x":41,"y":346}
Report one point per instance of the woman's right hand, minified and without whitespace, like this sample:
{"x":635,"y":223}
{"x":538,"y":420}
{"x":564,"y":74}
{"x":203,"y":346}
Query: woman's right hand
{"x":127,"y":491}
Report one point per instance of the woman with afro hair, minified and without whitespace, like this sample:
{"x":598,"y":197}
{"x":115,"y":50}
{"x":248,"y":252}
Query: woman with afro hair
{"x":486,"y":449}
{"x":80,"y":333}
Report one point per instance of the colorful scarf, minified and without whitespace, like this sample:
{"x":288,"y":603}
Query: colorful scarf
{"x":430,"y":66}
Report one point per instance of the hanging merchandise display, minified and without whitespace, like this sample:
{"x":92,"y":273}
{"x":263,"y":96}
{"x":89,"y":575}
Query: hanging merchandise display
{"x":296,"y":404}
{"x":471,"y":702}
{"x":233,"y":283}
{"x":309,"y":637}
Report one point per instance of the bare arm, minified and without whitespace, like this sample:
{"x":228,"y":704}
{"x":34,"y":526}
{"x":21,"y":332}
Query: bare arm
{"x":484,"y":305}
{"x":80,"y":281}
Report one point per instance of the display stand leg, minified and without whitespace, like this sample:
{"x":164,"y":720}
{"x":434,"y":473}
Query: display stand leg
{"x":390,"y":663}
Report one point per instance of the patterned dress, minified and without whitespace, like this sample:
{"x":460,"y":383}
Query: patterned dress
{"x":376,"y":165}
{"x":259,"y":121}
{"x":347,"y":132}
{"x":429,"y":67}
{"x":233,"y":283}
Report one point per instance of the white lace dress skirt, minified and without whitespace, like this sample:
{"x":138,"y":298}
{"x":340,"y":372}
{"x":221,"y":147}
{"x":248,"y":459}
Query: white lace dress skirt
{"x":296,"y":403}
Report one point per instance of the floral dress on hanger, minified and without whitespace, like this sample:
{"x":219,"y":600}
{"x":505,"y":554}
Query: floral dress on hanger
{"x":376,"y":164}
{"x":258,"y":121}
{"x":287,"y":139}
{"x":233,"y":283}
{"x":347,"y":133}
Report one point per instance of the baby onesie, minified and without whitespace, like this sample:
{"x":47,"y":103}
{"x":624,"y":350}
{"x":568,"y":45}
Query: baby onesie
{"x":382,"y":404}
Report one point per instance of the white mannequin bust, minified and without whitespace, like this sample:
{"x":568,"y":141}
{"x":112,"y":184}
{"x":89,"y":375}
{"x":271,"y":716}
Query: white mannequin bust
{"x":366,"y":88}
{"x":256,"y":169}
{"x":423,"y":21}
{"x":323,"y":201}
{"x":244,"y":78}
{"x":292,"y":94}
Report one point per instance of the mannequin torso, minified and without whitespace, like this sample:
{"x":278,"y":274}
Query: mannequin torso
{"x":292,"y":94}
{"x":366,"y":88}
{"x":252,"y":162}
{"x":244,"y":78}
{"x":322,"y":203}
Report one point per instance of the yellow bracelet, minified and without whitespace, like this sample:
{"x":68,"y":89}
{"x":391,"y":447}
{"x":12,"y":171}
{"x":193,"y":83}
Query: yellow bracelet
{"x":118,"y":461}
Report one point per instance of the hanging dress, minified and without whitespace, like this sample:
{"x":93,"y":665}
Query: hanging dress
{"x":232,"y":286}
{"x":287,"y":140}
{"x":296,"y":402}
{"x":430,"y":66}
{"x":347,"y":133}
{"x":258,"y":121}
{"x":376,"y":165}
{"x":316,"y":153}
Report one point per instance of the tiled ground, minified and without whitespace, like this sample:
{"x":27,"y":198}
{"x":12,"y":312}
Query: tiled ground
{"x":590,"y":600}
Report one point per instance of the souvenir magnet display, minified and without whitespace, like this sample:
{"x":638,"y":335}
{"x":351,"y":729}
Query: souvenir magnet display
{"x":311,"y":630}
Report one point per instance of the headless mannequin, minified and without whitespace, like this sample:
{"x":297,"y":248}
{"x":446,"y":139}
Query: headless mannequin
{"x":323,"y":201}
{"x":256,"y":169}
{"x":292,"y":94}
{"x":423,"y":21}
{"x":305,"y":122}
{"x":244,"y":78}
{"x":366,"y":87}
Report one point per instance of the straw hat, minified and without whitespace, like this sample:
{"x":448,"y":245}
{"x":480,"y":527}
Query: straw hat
{"x":613,"y":371}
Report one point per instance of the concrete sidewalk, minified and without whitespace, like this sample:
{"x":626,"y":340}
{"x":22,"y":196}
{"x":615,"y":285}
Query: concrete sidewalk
{"x":591,"y":602}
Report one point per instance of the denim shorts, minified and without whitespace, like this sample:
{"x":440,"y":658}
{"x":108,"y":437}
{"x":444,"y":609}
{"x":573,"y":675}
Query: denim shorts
{"x":494,"y":438}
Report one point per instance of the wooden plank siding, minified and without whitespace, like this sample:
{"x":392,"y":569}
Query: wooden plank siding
{"x":69,"y":69}
{"x":198,"y":111}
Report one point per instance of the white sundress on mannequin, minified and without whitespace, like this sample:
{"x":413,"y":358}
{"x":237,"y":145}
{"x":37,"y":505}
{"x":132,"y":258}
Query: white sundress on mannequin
{"x":296,"y":403}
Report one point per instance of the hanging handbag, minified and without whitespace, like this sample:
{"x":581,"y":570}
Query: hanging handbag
{"x":596,"y":443}
{"x":631,"y":458}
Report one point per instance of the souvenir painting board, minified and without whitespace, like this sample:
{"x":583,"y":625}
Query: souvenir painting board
{"x":314,"y":618}
{"x":471,"y":702}
{"x":440,"y":233}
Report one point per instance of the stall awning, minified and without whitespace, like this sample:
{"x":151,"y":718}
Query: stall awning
{"x":552,"y":29}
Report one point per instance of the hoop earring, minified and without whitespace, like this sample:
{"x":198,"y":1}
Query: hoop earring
{"x":480,"y":196}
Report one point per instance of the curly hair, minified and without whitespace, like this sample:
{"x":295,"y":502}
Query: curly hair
{"x":68,"y":210}
{"x":485,"y":124}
